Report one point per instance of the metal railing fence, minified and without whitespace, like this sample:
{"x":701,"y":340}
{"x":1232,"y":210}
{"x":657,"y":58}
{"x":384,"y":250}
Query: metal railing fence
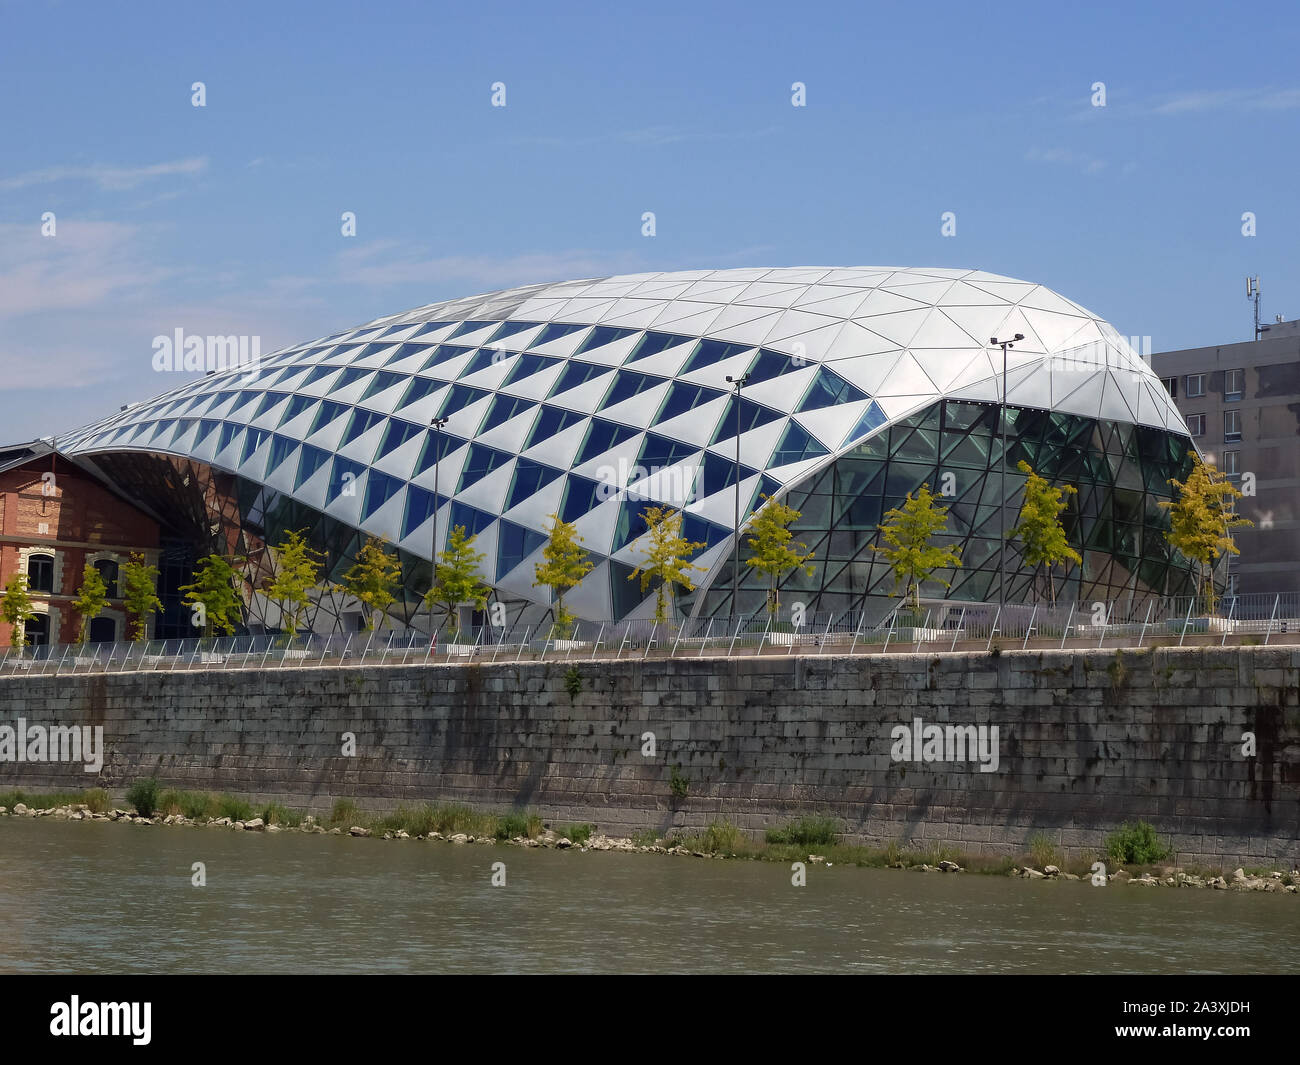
{"x":935,"y":626}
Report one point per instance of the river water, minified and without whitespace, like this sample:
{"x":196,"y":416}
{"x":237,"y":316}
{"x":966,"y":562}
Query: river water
{"x":93,"y":897}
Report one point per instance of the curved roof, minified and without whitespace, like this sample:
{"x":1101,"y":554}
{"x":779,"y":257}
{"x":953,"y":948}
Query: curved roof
{"x":559,"y":395}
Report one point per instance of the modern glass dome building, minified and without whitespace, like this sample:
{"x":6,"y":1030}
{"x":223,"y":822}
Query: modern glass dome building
{"x":593,"y":399}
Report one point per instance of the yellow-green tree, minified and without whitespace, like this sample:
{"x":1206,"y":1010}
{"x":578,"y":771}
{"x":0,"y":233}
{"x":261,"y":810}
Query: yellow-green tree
{"x":215,"y":605}
{"x":456,"y":577}
{"x":907,"y":532}
{"x":139,"y":584}
{"x":770,"y":540}
{"x":1039,"y":526}
{"x":1200,"y":520}
{"x":666,"y":554}
{"x":92,"y":597}
{"x":16,"y":608}
{"x":565,"y":564}
{"x":297,"y":572}
{"x":373,"y":578}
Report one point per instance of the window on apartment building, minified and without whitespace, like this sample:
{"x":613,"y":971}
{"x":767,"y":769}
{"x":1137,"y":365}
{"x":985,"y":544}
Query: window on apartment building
{"x":1234,"y":384}
{"x":1196,"y":424}
{"x":40,"y":573}
{"x":1171,"y":386}
{"x":107,"y":570}
{"x":1195,"y":385}
{"x":1231,"y":463}
{"x":1231,"y":425}
{"x":37,"y":630}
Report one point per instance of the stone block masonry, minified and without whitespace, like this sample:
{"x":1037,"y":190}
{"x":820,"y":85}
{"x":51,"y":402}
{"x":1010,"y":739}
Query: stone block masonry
{"x":1086,"y":740}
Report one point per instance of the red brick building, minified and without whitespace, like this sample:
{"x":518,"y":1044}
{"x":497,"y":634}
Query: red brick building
{"x":56,"y":516}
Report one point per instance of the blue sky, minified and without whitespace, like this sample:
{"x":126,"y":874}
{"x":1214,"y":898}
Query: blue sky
{"x":226,"y":218}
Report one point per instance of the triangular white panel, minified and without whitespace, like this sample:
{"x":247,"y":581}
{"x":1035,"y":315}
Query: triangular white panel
{"x":511,"y":433}
{"x":489,"y":493}
{"x":586,"y":396}
{"x":831,"y":425}
{"x":695,"y":426}
{"x":558,"y":450}
{"x":536,"y":386}
{"x":784,"y":391}
{"x":640,"y":410}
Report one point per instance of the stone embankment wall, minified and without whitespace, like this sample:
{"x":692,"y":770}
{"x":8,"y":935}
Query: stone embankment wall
{"x":1086,"y":740}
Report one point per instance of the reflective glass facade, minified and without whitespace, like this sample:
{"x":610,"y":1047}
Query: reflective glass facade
{"x":594,"y":399}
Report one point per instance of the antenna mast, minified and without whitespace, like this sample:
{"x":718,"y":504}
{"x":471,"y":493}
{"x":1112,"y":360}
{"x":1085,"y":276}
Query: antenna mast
{"x":1252,"y":294}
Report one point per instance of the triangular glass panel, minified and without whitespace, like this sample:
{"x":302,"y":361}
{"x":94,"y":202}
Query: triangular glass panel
{"x":653,"y":344}
{"x":405,"y":351}
{"x":397,"y":434}
{"x":460,"y":397}
{"x":628,"y":383}
{"x":442,"y":353}
{"x":828,"y":389}
{"x":348,"y":377}
{"x":697,"y":530}
{"x":437,"y":446}
{"x":872,"y":419}
{"x":581,"y":496}
{"x":550,"y":421}
{"x":659,"y":452}
{"x":575,"y":374}
{"x":281,"y":448}
{"x":504,"y":408}
{"x":480,"y":462}
{"x":343,"y":478}
{"x":481,"y":360}
{"x":384,"y":379}
{"x":473,"y":519}
{"x":602,"y":335}
{"x":602,"y":436}
{"x":710,"y":352}
{"x":752,"y":415}
{"x":509,"y":329}
{"x":527,"y":365}
{"x":514,"y":545}
{"x":631,"y":523}
{"x":718,"y":473}
{"x":683,"y":397}
{"x":554,"y":331}
{"x":362,"y":420}
{"x":296,"y":406}
{"x":327,"y":413}
{"x":380,"y":488}
{"x":530,"y":478}
{"x":420,"y":387}
{"x":419,"y":508}
{"x":206,"y":427}
{"x":795,"y":446}
{"x":769,"y":364}
{"x":466,"y":327}
{"x":311,"y":460}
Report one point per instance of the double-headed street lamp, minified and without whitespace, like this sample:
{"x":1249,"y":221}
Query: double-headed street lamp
{"x":1002,"y":506}
{"x":739,"y":383}
{"x":436,"y":425}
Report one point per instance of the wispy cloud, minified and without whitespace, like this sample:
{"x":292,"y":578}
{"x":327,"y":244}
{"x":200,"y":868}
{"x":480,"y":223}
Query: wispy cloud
{"x":650,"y":136}
{"x":84,"y":267}
{"x":1225,"y":100}
{"x":1089,"y":164}
{"x":110,"y":178}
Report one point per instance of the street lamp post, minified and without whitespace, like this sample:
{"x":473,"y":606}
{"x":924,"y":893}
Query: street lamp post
{"x":1002,"y":503}
{"x":436,"y":425}
{"x":739,"y":383}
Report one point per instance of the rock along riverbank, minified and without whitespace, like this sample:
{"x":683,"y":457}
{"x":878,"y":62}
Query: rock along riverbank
{"x":1170,"y":876}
